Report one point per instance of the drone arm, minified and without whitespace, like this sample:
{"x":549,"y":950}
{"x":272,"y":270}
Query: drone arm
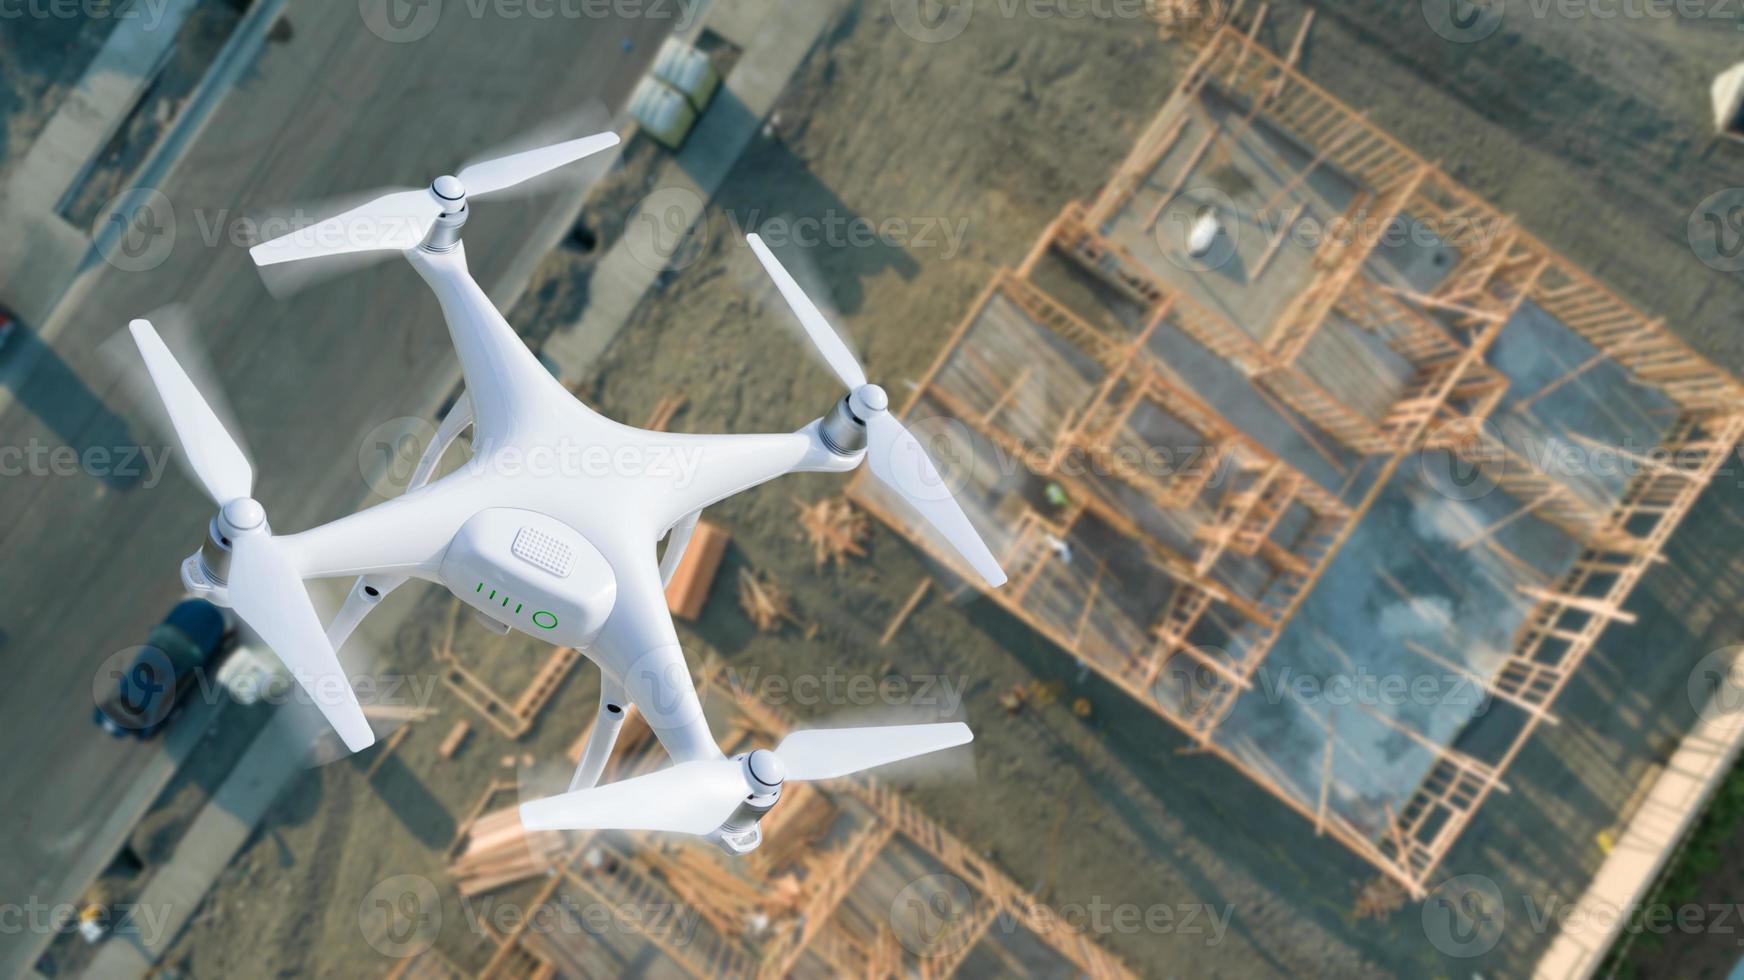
{"x":406,"y":536}
{"x":639,"y":647}
{"x":614,"y":710}
{"x":714,"y":467}
{"x":508,"y":388}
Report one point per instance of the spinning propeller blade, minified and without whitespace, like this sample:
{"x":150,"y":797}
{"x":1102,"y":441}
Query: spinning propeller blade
{"x":829,"y":753}
{"x":265,"y":588}
{"x":217,"y":462}
{"x":689,"y":798}
{"x":894,"y":454}
{"x":400,"y":220}
{"x":490,"y":176}
{"x":697,"y":797}
{"x":392,"y":222}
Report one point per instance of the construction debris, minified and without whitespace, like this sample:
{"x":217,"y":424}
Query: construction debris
{"x":1037,"y":694}
{"x":765,"y":602}
{"x":664,"y":410}
{"x":695,"y":574}
{"x":496,"y":851}
{"x":907,"y":610}
{"x":1379,"y":899}
{"x":815,"y":899}
{"x":452,"y":741}
{"x":836,"y":529}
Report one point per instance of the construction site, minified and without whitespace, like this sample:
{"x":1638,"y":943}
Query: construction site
{"x":856,"y":882}
{"x":1202,"y":470}
{"x":1363,"y":546}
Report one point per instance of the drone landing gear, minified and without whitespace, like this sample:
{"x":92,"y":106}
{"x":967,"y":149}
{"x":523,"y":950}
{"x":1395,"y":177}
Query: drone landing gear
{"x":603,"y":737}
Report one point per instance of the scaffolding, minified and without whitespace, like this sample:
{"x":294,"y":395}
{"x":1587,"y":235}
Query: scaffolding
{"x":851,"y":880}
{"x":1365,"y":311}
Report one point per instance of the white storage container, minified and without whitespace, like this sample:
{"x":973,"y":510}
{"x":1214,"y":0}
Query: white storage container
{"x":688,"y":71}
{"x":662,"y":112}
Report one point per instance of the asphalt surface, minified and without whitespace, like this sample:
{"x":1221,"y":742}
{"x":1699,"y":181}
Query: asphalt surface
{"x":91,"y":557}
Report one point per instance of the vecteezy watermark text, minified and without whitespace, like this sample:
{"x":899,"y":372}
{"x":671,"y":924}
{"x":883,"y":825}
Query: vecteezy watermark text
{"x":930,"y":913}
{"x":143,"y":920}
{"x":833,"y":686}
{"x":37,"y":458}
{"x":403,"y":21}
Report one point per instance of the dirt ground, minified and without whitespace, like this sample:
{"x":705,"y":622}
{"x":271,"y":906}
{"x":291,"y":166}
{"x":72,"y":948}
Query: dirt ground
{"x":994,"y":132}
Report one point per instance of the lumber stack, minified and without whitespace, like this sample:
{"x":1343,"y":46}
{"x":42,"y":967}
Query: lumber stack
{"x":498,"y":851}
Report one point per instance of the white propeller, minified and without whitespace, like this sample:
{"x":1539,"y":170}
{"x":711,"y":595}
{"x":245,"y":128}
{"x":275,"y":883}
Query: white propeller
{"x":697,"y":797}
{"x":401,"y":219}
{"x":894,"y":454}
{"x":263,"y":583}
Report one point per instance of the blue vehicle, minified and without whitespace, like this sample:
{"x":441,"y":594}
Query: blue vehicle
{"x":151,"y":687}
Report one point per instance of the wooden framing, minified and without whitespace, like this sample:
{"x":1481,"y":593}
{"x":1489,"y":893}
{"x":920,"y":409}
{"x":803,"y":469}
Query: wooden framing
{"x":812,"y":901}
{"x":1215,"y":515}
{"x":1074,"y":398}
{"x":512,"y":718}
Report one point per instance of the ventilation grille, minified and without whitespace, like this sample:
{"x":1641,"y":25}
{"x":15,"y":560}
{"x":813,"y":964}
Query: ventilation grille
{"x":541,"y":550}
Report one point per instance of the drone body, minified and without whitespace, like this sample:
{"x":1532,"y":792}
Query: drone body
{"x":550,"y":528}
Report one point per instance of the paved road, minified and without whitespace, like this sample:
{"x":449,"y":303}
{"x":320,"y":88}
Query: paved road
{"x":90,"y":561}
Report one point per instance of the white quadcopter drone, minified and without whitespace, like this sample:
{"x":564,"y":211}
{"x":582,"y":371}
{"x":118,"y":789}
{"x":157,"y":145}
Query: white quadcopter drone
{"x":566,"y":554}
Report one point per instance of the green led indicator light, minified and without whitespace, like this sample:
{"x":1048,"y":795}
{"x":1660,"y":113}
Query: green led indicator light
{"x":480,"y":587}
{"x":544,"y":620}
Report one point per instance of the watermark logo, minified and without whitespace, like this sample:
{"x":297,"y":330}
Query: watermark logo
{"x":389,"y":454}
{"x":932,"y":21}
{"x":837,"y":229}
{"x":674,"y":923}
{"x":950,"y":447}
{"x":1464,"y":21}
{"x":1716,"y":686}
{"x":120,"y":465}
{"x":659,"y":683}
{"x":150,"y":11}
{"x":667,"y":232}
{"x":836,"y":687}
{"x":1716,"y":230}
{"x":929,"y":915}
{"x":401,"y":916}
{"x":1464,"y":916}
{"x":939,"y":915}
{"x":1188,"y":680}
{"x":136,"y":230}
{"x":400,"y":21}
{"x":1466,"y":461}
{"x":135,"y":688}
